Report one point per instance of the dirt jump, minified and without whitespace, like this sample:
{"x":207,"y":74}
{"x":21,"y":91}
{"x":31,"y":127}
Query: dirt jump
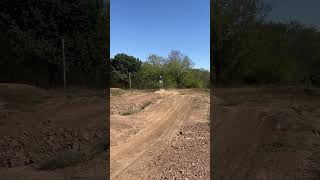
{"x":154,"y":135}
{"x":167,"y":137}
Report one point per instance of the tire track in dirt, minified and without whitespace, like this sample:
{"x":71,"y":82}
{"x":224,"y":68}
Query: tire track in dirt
{"x":166,"y":119}
{"x":184,"y":156}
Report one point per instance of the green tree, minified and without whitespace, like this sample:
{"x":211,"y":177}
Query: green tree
{"x":232,"y":21}
{"x":177,"y":66}
{"x":151,"y":71}
{"x":123,"y":65}
{"x":34,"y":30}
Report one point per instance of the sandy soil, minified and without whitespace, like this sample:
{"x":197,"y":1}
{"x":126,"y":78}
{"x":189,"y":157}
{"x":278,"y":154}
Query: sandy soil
{"x":168,"y":139}
{"x":263,"y":134}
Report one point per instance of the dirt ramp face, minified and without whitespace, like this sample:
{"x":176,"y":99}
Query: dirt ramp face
{"x":165,"y":93}
{"x":128,"y":102}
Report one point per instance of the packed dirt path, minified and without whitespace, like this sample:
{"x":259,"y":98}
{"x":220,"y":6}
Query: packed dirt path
{"x":266,"y":133}
{"x":144,"y":143}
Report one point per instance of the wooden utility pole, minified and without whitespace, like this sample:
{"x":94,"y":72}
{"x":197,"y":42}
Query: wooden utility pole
{"x":64,"y":67}
{"x":130,"y":80}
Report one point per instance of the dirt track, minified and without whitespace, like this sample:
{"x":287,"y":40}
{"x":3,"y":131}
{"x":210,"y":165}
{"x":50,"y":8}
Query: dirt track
{"x":162,"y":135}
{"x":263,"y":134}
{"x":33,"y":131}
{"x":258,"y":134}
{"x":168,"y":129}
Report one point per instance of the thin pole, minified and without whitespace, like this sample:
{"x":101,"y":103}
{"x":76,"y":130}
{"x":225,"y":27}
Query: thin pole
{"x":64,"y":67}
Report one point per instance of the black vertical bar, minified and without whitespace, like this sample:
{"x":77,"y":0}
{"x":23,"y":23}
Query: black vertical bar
{"x":107,"y":57}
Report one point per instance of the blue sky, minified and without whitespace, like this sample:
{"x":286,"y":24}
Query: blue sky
{"x":143,"y":27}
{"x":306,"y":12}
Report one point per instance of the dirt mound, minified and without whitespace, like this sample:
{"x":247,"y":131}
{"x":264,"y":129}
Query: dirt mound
{"x":131,"y":101}
{"x":120,"y":105}
{"x":19,"y":89}
{"x":164,"y":93}
{"x":17,"y":95}
{"x":30,"y":134}
{"x":27,"y":137}
{"x":116,"y":91}
{"x":32,"y":147}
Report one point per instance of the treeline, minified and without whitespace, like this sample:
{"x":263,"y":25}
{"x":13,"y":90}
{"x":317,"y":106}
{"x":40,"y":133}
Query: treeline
{"x":31,"y":42}
{"x":249,"y":49}
{"x":176,"y":71}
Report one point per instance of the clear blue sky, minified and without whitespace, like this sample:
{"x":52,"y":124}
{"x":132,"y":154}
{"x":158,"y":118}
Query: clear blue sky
{"x":306,"y":12}
{"x":143,"y":27}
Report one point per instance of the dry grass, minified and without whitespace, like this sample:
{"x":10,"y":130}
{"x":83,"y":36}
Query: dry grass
{"x":116,"y":91}
{"x":133,"y":111}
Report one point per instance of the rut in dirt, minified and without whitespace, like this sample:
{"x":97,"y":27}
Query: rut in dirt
{"x":164,"y":118}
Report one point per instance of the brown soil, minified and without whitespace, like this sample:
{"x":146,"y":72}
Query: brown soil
{"x":36,"y":125}
{"x":126,"y":101}
{"x":154,"y":135}
{"x":168,"y":139}
{"x":266,"y":134}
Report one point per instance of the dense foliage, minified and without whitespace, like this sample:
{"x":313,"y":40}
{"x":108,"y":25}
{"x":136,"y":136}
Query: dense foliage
{"x":176,"y":71}
{"x":31,"y":41}
{"x":248,"y":49}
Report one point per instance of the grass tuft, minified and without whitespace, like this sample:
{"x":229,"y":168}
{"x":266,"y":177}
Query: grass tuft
{"x":127,"y":113}
{"x":133,"y":111}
